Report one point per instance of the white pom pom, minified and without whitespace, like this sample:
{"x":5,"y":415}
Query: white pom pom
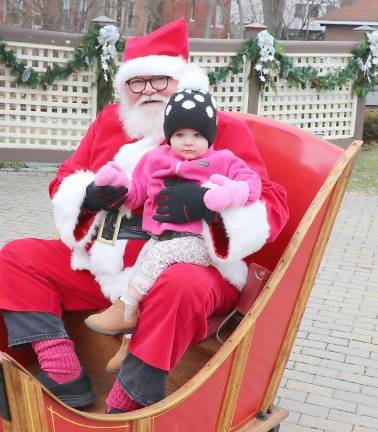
{"x":193,"y":77}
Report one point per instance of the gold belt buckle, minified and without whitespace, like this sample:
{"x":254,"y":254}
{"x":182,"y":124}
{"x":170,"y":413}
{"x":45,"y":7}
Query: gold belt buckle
{"x":116,"y":227}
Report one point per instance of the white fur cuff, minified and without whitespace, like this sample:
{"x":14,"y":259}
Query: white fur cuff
{"x":247,"y":229}
{"x":67,"y":204}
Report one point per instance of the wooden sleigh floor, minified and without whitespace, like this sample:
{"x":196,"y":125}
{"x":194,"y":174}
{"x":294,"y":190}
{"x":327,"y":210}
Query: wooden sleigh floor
{"x":95,"y":350}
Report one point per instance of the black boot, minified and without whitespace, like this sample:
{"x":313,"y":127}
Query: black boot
{"x":76,"y":393}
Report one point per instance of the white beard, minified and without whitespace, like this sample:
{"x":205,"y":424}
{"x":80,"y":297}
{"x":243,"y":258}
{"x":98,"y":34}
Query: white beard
{"x":140,"y":120}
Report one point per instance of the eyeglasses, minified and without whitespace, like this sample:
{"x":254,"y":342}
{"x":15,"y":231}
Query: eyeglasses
{"x":158,"y":83}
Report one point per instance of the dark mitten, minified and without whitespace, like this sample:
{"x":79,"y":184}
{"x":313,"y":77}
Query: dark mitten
{"x":104,"y":197}
{"x":181,"y":201}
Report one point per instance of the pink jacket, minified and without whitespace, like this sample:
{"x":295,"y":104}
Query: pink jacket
{"x":161,"y":163}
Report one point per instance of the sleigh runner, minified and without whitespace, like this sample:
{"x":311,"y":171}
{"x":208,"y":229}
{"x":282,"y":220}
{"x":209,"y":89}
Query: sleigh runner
{"x":229,"y":387}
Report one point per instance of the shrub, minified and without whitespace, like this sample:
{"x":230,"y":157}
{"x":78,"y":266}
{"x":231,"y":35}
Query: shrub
{"x":15,"y":165}
{"x":371,"y":126}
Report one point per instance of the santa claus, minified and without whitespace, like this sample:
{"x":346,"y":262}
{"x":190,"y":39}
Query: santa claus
{"x":89,"y":266}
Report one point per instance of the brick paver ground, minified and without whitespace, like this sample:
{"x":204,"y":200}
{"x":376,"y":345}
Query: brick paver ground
{"x":331,"y":380}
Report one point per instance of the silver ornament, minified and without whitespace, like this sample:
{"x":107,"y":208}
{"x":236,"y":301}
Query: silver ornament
{"x":25,"y":75}
{"x":285,"y":73}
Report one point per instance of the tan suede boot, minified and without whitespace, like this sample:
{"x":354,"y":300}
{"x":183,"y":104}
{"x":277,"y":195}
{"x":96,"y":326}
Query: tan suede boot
{"x":115,"y":363}
{"x":112,"y":320}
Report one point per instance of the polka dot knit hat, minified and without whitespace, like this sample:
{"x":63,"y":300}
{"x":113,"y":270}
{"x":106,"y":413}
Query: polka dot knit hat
{"x":192,"y":109}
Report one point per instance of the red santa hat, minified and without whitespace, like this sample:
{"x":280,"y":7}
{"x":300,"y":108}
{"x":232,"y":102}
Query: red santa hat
{"x":165,"y":51}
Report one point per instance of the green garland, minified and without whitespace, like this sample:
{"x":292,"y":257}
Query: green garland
{"x":89,"y":52}
{"x":305,"y":76}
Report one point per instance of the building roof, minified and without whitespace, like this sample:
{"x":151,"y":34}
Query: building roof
{"x":256,"y":25}
{"x":359,"y":13}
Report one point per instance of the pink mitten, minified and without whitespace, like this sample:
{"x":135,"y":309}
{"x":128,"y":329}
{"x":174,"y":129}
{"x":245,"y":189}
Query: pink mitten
{"x":229,"y":193}
{"x":112,"y":174}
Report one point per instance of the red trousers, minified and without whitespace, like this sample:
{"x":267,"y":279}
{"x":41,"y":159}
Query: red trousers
{"x":36,"y":276}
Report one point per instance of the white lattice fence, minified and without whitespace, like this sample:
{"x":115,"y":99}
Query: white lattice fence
{"x":231,"y":94}
{"x":331,"y":114}
{"x":58,"y":117}
{"x":55,"y":118}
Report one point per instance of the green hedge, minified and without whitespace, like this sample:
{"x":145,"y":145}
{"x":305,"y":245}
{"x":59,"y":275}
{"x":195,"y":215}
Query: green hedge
{"x":371,"y":126}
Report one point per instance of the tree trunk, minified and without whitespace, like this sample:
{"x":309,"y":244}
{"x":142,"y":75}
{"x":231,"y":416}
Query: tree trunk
{"x":119,"y":8}
{"x":273,"y":16}
{"x":154,"y":15}
{"x":211,"y":5}
{"x":241,"y":19}
{"x":5,"y":12}
{"x":140,"y":13}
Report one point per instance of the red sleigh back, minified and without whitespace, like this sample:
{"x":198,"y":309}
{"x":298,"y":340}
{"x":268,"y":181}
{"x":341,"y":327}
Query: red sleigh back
{"x":300,"y":169}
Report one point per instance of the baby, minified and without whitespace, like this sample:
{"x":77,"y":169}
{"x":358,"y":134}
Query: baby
{"x":190,"y":126}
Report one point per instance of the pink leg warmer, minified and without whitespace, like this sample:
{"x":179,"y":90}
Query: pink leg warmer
{"x":118,"y":399}
{"x":57,"y":357}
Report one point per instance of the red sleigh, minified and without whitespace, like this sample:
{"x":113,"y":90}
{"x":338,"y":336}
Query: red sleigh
{"x":229,"y":387}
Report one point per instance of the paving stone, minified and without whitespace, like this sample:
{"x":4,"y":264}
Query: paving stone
{"x":348,"y":350}
{"x":364,"y":346}
{"x":324,"y":354}
{"x":356,"y":397}
{"x":337,"y":384}
{"x":299,"y":376}
{"x":361,"y":361}
{"x":369,"y":390}
{"x":316,"y":370}
{"x":309,"y":388}
{"x":325,"y":424}
{"x":353,"y":419}
{"x":295,"y":395}
{"x":293,"y":417}
{"x":302,"y":358}
{"x":363,"y":429}
{"x":290,"y":427}
{"x":305,"y":408}
{"x":341,"y":366}
{"x":331,"y":402}
{"x":367,"y":410}
{"x":352,"y":336}
{"x":359,"y":379}
{"x":328,"y":339}
{"x":373,"y":372}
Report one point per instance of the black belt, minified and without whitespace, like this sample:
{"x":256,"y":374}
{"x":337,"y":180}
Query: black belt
{"x":115,"y":226}
{"x":169,"y":235}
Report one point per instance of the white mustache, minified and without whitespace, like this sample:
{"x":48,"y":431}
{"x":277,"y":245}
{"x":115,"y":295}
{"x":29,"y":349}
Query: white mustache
{"x":154,"y":98}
